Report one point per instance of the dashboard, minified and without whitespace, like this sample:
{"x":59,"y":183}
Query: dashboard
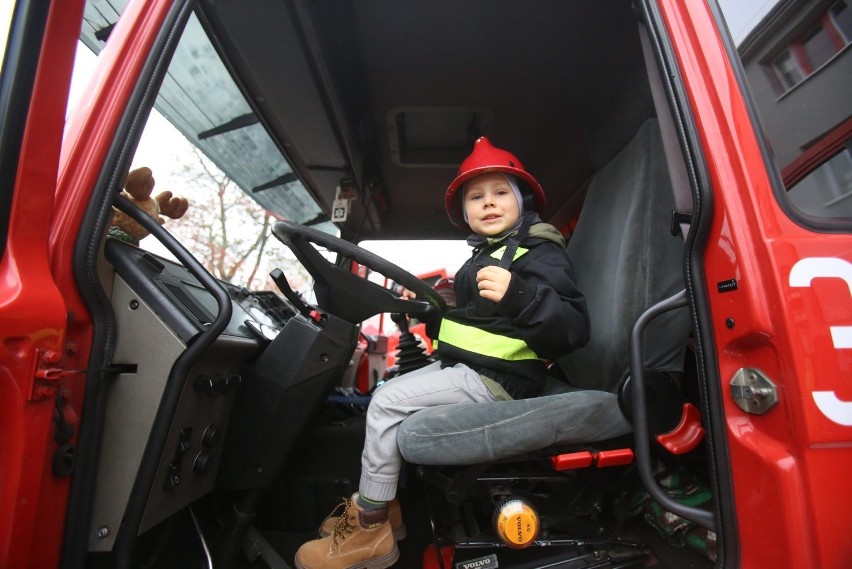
{"x":188,"y":308}
{"x":171,"y":412}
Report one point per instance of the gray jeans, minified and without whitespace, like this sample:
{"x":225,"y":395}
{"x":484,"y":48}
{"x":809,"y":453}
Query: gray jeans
{"x":430,"y":386}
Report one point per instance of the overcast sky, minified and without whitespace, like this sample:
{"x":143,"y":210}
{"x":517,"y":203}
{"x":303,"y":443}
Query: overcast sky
{"x":5,"y":16}
{"x":742,"y":15}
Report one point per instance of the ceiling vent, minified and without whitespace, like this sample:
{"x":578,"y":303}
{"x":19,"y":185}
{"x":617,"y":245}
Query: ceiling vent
{"x":435,"y":136}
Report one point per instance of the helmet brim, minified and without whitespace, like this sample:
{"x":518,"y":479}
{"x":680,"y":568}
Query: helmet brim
{"x":454,"y":206}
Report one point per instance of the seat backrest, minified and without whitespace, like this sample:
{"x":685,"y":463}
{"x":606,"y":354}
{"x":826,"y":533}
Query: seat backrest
{"x":626,"y":260}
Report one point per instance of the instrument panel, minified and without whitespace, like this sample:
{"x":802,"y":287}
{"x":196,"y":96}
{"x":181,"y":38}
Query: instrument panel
{"x":160,"y":308}
{"x":186,"y":306}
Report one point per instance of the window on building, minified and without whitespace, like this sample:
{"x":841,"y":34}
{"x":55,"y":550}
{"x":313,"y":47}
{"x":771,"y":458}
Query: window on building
{"x":825,"y":38}
{"x":827,"y":190}
{"x":818,"y":47}
{"x":819,"y":180}
{"x":809,"y":129}
{"x":841,"y":15}
{"x":787,"y":71}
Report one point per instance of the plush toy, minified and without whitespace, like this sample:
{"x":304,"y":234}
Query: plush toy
{"x":138,"y":188}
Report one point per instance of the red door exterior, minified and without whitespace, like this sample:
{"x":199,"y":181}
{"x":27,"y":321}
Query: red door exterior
{"x":791,"y":316}
{"x":46,"y":330}
{"x":33,"y":313}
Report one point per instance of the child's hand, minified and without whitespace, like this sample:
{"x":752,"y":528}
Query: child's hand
{"x":493,"y":282}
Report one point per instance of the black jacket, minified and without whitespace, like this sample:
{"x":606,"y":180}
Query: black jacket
{"x":542,"y":309}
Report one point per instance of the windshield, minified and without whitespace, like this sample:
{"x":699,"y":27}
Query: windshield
{"x":200,"y":98}
{"x":420,"y":257}
{"x":196,"y":142}
{"x":203,"y":143}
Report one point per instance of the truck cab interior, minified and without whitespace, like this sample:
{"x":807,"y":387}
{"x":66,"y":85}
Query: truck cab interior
{"x":211,"y":439}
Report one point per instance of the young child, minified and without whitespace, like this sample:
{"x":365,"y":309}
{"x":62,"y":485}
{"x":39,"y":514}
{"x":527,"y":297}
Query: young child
{"x":517,"y":306}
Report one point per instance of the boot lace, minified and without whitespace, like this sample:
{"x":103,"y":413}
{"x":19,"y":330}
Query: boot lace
{"x":339,"y":510}
{"x":344,"y":525}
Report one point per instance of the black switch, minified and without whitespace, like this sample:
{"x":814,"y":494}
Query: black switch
{"x":206,"y":384}
{"x":184,"y":442}
{"x":210,"y":436}
{"x":235,"y":380}
{"x":172,"y":476}
{"x":203,"y":462}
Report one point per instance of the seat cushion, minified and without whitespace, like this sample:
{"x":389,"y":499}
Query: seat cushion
{"x":483,"y":432}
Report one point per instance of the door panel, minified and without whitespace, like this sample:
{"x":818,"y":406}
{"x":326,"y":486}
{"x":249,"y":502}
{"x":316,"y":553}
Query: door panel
{"x":34,"y":96}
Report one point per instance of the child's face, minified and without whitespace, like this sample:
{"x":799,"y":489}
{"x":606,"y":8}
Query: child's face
{"x":490,"y":204}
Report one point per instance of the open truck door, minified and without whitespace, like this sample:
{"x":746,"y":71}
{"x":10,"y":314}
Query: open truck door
{"x":41,"y":404}
{"x":775,"y":269}
{"x":48,"y":366}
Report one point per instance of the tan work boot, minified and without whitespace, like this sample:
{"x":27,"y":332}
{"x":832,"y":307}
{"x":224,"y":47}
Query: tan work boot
{"x":394,"y":517}
{"x":360,"y":539}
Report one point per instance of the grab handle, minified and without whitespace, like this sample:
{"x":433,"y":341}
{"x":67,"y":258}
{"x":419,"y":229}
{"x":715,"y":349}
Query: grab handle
{"x":640,"y":416}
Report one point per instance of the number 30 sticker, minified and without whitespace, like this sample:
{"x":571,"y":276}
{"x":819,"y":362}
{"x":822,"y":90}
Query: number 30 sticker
{"x":801,"y":275}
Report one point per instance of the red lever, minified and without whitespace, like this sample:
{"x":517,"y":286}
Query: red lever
{"x":615,"y":457}
{"x":572,"y":460}
{"x":687,"y":434}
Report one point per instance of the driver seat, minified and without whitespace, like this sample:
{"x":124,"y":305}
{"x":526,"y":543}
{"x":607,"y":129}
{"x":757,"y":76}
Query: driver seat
{"x":625,"y":260}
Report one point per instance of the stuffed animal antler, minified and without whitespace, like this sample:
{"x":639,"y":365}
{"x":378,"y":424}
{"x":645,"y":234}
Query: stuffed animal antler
{"x":138,"y":188}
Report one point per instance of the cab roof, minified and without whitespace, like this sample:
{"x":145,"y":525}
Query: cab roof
{"x":388,"y":97}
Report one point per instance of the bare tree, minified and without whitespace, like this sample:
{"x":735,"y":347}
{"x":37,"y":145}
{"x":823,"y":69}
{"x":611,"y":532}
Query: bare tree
{"x":228,"y":231}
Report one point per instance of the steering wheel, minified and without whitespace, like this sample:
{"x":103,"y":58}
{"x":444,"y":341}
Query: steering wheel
{"x":345,"y":294}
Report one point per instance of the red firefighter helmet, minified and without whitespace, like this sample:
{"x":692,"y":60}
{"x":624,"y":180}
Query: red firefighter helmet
{"x":488,"y":158}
